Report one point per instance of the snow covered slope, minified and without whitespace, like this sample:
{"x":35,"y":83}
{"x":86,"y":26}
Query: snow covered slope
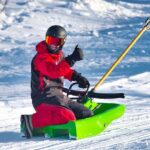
{"x":103,"y":29}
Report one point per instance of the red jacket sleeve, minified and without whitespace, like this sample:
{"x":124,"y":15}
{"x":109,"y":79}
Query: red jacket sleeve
{"x":52,"y":70}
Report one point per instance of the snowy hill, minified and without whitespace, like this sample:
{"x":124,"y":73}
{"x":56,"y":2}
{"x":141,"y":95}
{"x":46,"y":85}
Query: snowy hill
{"x":103,"y":29}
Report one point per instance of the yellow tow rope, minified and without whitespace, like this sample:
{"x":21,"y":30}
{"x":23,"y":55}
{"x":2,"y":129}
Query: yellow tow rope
{"x":146,"y":27}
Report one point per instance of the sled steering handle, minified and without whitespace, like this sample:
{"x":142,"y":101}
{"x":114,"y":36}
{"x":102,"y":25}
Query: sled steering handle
{"x":145,"y":27}
{"x":78,"y":93}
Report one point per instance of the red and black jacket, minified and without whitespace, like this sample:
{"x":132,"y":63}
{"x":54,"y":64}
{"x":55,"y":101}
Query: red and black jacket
{"x":47,"y":73}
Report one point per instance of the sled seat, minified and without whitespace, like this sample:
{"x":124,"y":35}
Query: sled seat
{"x":104,"y":114}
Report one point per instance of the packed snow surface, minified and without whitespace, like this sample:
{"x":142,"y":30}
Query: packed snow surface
{"x":103,"y":29}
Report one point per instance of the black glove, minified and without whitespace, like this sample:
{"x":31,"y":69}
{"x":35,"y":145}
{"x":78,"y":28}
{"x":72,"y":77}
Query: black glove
{"x":77,"y":55}
{"x":82,"y":81}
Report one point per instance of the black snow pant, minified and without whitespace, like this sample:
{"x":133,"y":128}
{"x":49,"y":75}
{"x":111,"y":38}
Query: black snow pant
{"x":79,"y":110}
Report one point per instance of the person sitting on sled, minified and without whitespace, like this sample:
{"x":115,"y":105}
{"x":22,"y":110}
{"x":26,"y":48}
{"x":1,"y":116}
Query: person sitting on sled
{"x":49,"y":68}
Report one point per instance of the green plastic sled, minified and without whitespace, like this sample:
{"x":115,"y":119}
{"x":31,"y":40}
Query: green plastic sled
{"x":104,"y":114}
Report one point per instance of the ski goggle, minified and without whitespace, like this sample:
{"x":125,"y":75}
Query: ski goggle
{"x":50,"y":40}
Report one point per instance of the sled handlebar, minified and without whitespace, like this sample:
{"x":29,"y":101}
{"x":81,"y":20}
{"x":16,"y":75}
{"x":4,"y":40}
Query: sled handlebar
{"x":91,"y":93}
{"x":106,"y":95}
{"x":80,"y":93}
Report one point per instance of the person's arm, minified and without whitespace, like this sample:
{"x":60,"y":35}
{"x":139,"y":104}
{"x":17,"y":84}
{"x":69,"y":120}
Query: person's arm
{"x":77,"y":55}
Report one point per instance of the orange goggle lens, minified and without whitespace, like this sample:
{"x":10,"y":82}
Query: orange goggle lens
{"x":50,"y":40}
